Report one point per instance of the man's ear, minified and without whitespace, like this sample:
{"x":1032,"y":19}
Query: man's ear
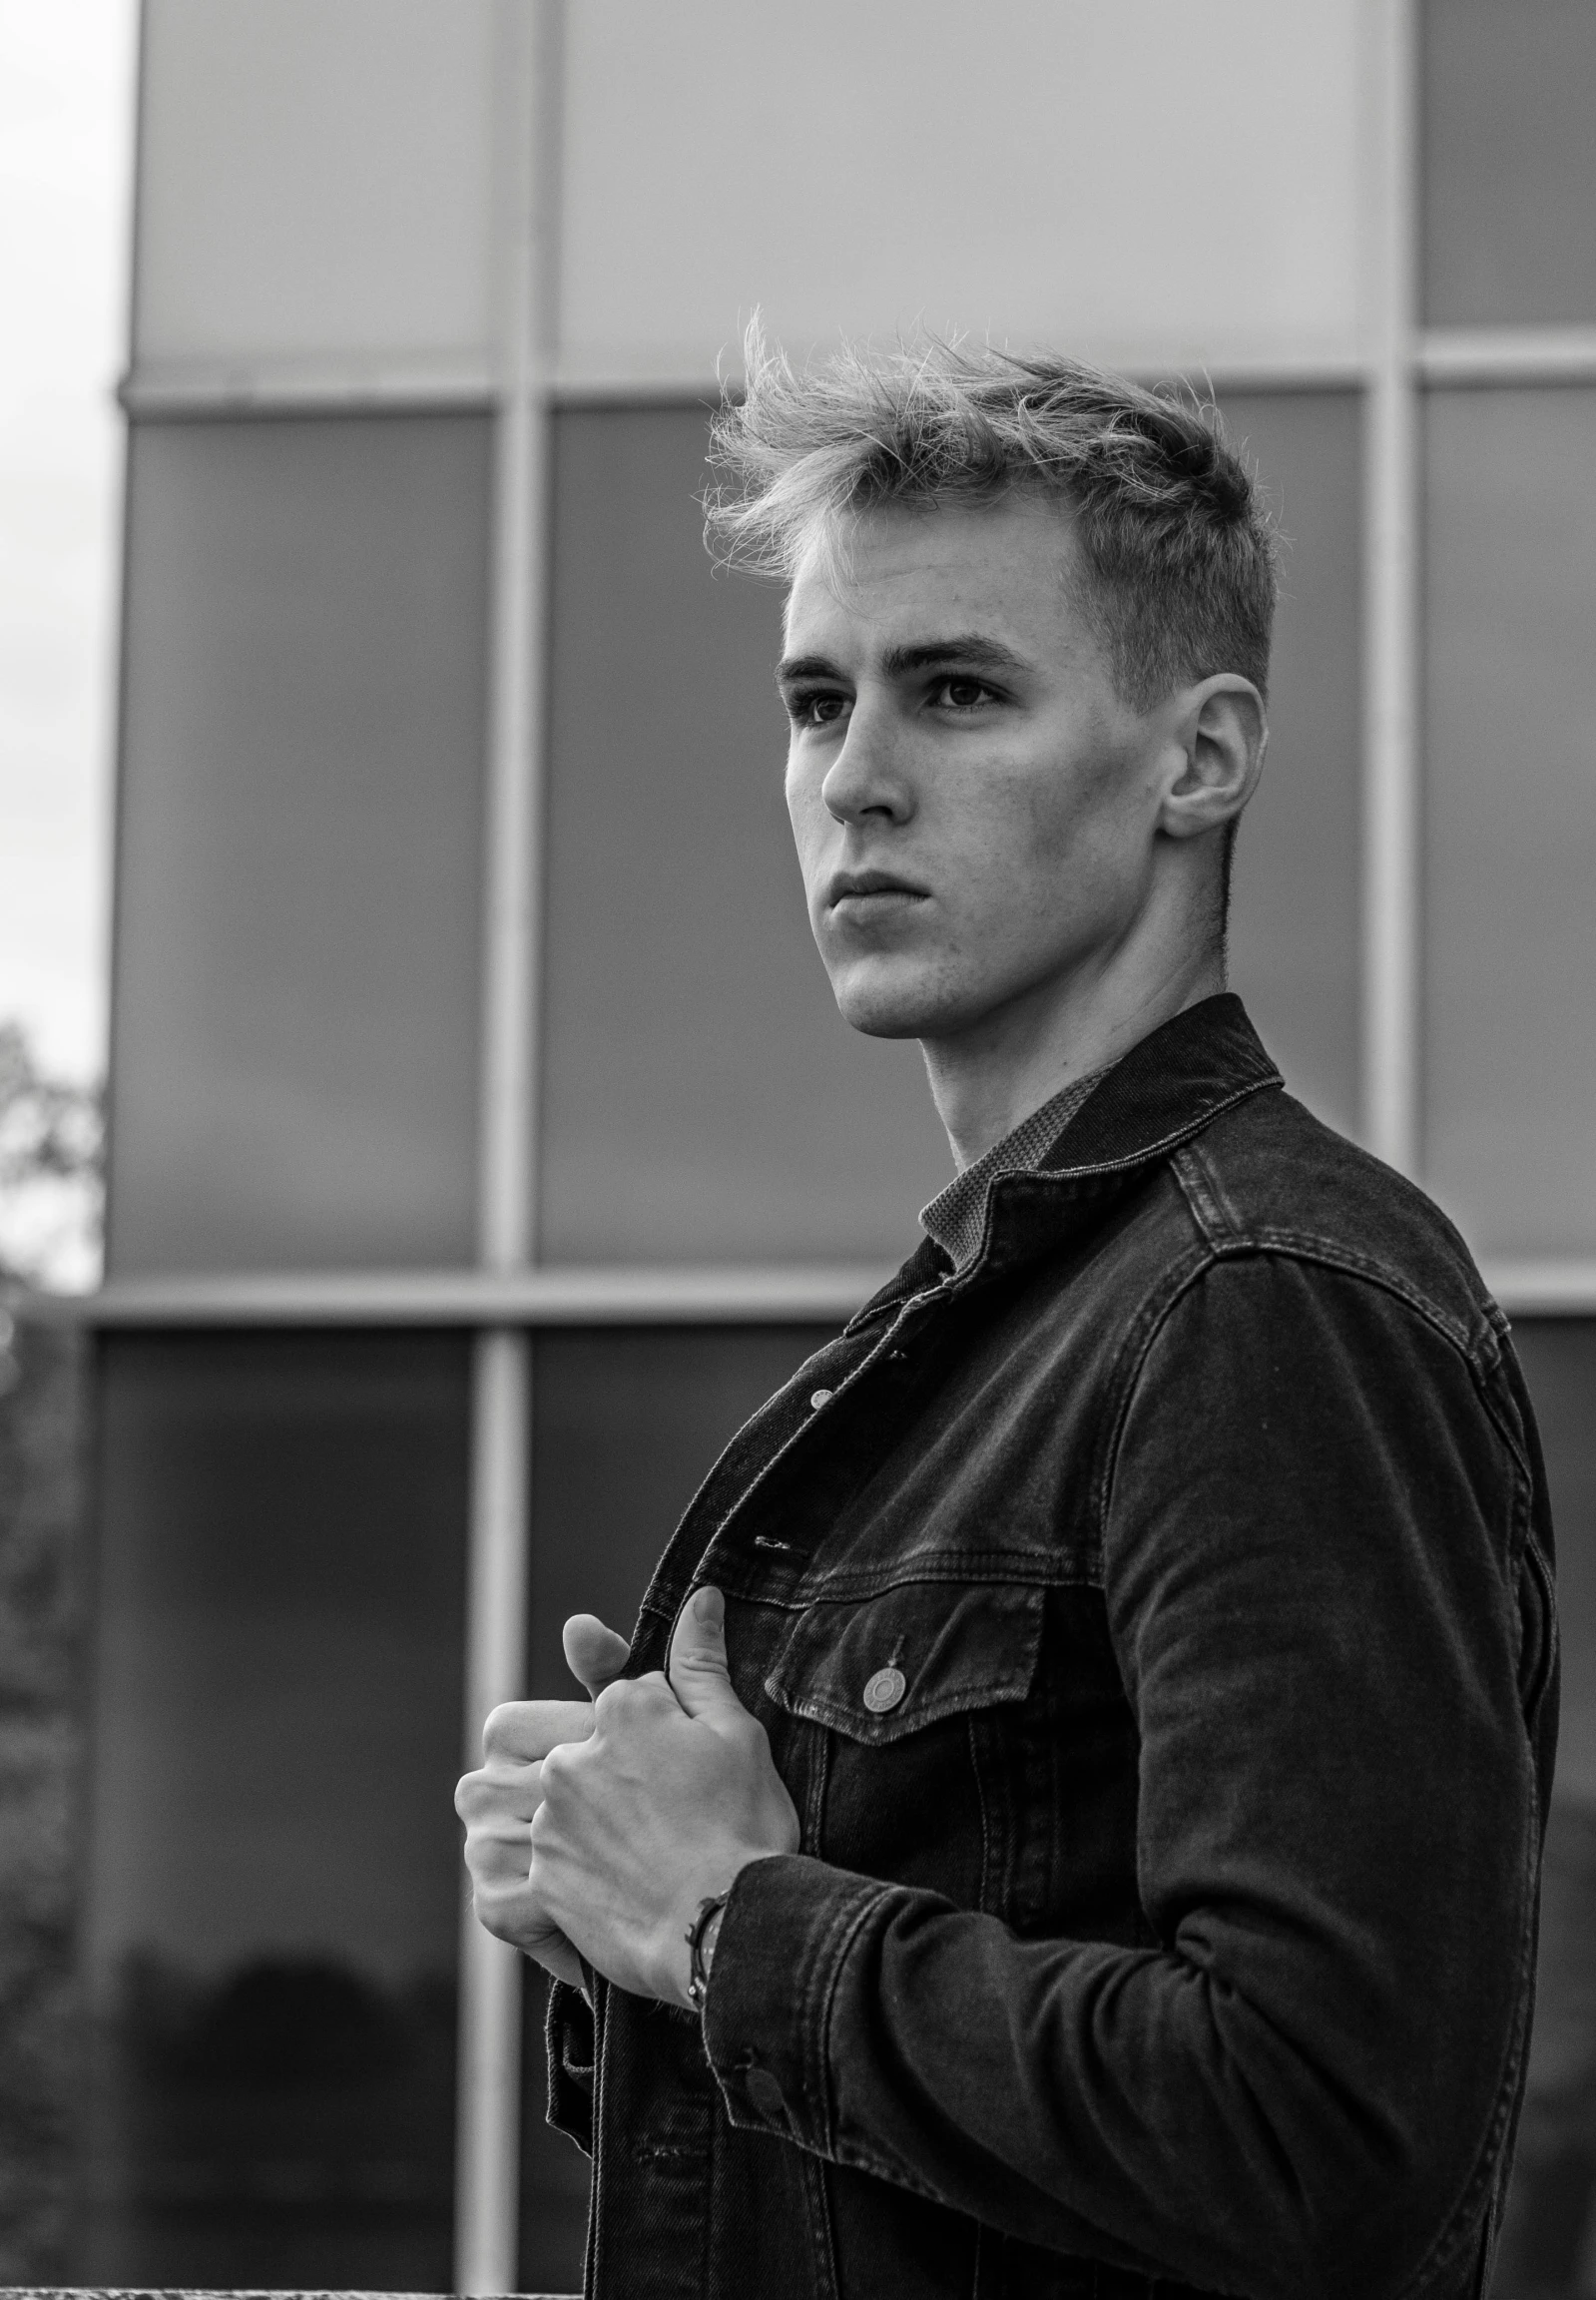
{"x":1222,"y":733}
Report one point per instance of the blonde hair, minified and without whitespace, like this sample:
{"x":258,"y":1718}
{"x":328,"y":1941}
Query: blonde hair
{"x":1180,"y":556}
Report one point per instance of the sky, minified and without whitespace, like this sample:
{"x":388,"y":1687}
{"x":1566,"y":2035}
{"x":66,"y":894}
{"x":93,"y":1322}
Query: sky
{"x":66,"y":135}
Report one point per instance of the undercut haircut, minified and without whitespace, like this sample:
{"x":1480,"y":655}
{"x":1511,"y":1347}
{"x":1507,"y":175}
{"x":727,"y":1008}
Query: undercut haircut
{"x":1179,"y":554}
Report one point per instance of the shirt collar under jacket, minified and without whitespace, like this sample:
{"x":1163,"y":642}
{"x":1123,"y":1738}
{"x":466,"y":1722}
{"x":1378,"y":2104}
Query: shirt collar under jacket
{"x":956,"y":1216}
{"x":1171,"y":1085}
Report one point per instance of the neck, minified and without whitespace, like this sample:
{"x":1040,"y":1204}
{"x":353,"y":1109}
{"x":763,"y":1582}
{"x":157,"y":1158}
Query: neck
{"x":986,"y":1079}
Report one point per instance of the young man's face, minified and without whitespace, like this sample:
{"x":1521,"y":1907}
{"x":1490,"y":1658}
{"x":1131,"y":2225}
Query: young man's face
{"x":974,"y":808}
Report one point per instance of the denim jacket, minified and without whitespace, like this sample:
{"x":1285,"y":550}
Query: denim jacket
{"x":1152,"y":1623}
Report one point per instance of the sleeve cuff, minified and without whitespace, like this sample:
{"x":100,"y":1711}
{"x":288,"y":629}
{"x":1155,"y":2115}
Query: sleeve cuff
{"x":789,"y":1926}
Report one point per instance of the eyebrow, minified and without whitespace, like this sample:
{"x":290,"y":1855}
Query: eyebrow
{"x":971,"y":649}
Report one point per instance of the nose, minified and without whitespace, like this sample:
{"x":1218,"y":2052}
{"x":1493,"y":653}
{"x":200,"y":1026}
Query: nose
{"x":868,"y":776}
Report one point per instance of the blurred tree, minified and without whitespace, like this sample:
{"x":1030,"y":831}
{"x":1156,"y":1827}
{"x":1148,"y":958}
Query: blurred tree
{"x":51,"y":1141}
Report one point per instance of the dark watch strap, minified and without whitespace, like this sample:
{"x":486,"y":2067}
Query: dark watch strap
{"x":698,"y":1975}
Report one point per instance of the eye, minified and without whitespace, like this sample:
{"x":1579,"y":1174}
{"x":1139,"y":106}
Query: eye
{"x":816,"y":706}
{"x":958,"y":692}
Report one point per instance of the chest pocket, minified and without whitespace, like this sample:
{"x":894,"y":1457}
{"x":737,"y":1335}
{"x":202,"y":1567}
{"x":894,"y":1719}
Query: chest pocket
{"x":879,"y":1669}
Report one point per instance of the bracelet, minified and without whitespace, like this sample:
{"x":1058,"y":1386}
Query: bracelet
{"x":698,"y":1970}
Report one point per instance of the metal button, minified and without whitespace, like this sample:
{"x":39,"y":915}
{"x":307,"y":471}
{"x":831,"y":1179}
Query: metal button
{"x":822,"y":1398}
{"x":765,"y":2093}
{"x":885,"y":1691}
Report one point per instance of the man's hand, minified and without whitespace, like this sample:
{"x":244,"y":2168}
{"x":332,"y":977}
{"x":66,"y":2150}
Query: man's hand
{"x":670,"y":1796}
{"x":498,"y":1802}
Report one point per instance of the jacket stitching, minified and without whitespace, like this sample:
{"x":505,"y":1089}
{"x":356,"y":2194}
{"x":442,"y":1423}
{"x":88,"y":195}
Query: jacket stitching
{"x":1456,"y":2224}
{"x":1297,"y":1246}
{"x":1478,"y":1351}
{"x":843,"y":1717}
{"x":1047,"y":1180}
{"x":824,"y":1980}
{"x":1198,"y":1185}
{"x":1151,"y":1151}
{"x":656,"y":1597}
{"x":986,"y":1818}
{"x":974,"y":1568}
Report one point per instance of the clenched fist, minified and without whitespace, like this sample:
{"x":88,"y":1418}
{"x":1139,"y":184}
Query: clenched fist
{"x":668,"y":1790}
{"x":497,"y":1803}
{"x":671,"y":1795}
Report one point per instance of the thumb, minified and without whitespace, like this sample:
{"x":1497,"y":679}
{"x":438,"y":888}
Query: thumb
{"x":697,"y":1667}
{"x":594,"y":1655}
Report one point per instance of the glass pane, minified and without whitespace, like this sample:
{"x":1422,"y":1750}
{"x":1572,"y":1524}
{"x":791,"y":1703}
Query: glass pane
{"x":980,"y":183}
{"x":624,"y":1426}
{"x":274,"y":1893}
{"x":316,"y":181}
{"x":1550,"y":2231}
{"x":1509,"y":163}
{"x":1295,"y":909}
{"x":299,"y":843}
{"x":1510,"y":808}
{"x":702,"y":1097}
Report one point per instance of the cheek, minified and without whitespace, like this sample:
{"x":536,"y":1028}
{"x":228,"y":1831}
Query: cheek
{"x":1088,"y":813}
{"x":795,"y":791}
{"x":1047,"y":853}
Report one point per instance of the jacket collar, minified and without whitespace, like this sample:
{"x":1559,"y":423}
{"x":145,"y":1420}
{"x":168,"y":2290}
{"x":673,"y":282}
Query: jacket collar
{"x":1171,"y":1084}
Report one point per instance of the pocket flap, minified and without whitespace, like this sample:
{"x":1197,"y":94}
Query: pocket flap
{"x":876,"y":1668}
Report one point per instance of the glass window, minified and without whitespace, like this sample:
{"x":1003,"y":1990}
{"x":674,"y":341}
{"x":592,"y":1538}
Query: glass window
{"x":702,"y":1097}
{"x":1509,"y":163}
{"x":625,"y":1427}
{"x":315,"y":182}
{"x":275,"y":1884}
{"x":1552,"y":2223}
{"x":300,"y":848}
{"x":1510,"y":815}
{"x":1039,"y":181}
{"x":1294,"y":930}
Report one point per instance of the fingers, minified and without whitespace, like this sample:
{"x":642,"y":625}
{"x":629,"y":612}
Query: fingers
{"x":522,"y":1731}
{"x":697,"y":1669}
{"x":508,"y":1793}
{"x":505,"y":1889}
{"x":595,"y":1655}
{"x":497,"y":1810}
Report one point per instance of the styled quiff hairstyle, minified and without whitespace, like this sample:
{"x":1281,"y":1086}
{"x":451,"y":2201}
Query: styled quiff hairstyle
{"x":1179,"y":554}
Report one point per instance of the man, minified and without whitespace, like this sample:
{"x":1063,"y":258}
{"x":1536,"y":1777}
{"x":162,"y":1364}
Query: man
{"x":1069,"y":1819}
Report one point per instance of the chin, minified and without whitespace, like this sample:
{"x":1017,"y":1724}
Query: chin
{"x":878,"y":1006}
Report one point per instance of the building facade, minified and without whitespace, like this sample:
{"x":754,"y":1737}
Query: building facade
{"x":484,"y":1142}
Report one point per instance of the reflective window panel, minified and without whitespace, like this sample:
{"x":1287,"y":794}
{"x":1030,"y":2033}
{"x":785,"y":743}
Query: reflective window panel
{"x":624,"y":1426}
{"x":1511,"y":815}
{"x":702,"y":1097}
{"x":1037,"y":183}
{"x":274,"y":1887}
{"x":1294,"y":914}
{"x":299,"y":843}
{"x":1509,"y":163}
{"x":315,"y":182}
{"x":1549,"y":2237}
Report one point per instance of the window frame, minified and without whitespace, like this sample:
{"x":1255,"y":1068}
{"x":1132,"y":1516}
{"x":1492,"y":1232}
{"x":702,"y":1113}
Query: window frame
{"x":506,"y":1296}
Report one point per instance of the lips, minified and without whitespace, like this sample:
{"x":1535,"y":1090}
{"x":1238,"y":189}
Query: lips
{"x":872,"y":888}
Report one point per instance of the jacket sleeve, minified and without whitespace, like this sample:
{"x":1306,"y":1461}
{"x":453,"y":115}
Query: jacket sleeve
{"x":1311,"y":1525}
